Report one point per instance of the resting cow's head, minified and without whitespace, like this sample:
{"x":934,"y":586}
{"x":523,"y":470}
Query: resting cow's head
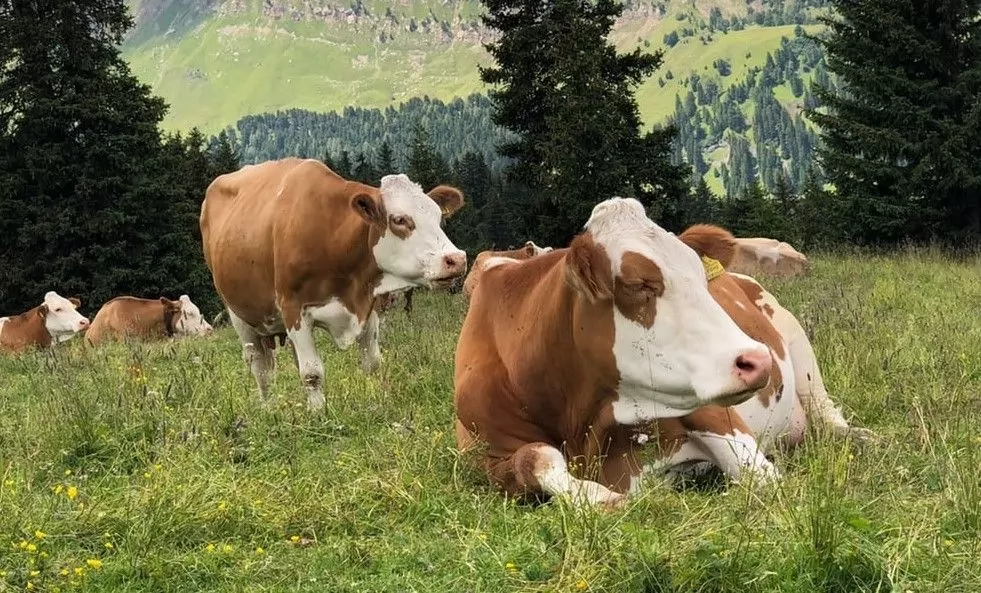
{"x":187,"y":320}
{"x":413,"y":245}
{"x":674,"y":346}
{"x":61,"y":316}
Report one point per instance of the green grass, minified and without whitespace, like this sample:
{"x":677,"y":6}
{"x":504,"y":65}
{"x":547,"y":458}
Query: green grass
{"x":176,"y":478}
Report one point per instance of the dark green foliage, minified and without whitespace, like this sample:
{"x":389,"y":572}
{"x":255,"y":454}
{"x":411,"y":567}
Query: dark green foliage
{"x":568,"y":97}
{"x":900,"y":145}
{"x":92,"y":202}
{"x":426,"y":166}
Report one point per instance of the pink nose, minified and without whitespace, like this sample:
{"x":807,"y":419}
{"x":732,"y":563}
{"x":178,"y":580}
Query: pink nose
{"x":83,"y":324}
{"x":753,"y":368}
{"x":455,"y":264}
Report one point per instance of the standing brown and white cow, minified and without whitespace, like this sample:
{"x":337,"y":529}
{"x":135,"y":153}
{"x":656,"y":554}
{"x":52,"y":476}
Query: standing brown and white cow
{"x":55,"y":320}
{"x":291,"y":246}
{"x":562,"y":354}
{"x":128,"y":317}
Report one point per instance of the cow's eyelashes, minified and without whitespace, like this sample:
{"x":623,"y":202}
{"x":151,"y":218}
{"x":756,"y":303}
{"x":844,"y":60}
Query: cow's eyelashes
{"x":400,"y":220}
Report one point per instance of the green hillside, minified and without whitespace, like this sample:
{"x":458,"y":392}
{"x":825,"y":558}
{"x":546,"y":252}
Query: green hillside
{"x":215,"y":61}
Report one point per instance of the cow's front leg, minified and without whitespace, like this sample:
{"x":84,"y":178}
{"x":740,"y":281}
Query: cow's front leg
{"x":728,"y":442}
{"x":308,"y":363}
{"x":368,"y":350}
{"x":539,"y":467}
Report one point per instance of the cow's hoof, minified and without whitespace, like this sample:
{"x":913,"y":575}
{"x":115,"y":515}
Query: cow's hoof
{"x":864,"y":436}
{"x":315,"y":402}
{"x":371,"y":364}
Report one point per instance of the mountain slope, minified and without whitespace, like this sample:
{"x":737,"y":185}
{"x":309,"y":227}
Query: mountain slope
{"x":215,"y":61}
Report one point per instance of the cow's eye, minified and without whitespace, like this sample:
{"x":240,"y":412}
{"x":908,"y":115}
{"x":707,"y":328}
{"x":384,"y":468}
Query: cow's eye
{"x":399,"y":221}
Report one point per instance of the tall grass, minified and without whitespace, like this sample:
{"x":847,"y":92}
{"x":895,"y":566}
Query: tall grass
{"x":157,"y":468}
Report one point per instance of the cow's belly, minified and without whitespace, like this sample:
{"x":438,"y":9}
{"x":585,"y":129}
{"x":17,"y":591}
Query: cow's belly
{"x":340,"y":322}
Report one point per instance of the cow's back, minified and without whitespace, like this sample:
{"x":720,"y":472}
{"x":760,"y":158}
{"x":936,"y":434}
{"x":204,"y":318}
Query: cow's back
{"x":768,"y":257}
{"x":127,"y":317}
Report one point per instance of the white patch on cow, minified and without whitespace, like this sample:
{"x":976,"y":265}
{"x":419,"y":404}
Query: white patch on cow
{"x":308,"y":362}
{"x":342,"y":325}
{"x":190,"y":322}
{"x":390,"y":283}
{"x":62,"y":320}
{"x":687,"y":358}
{"x":535,"y":249}
{"x":770,"y":251}
{"x":553,"y":476}
{"x":418,"y":259}
{"x":3,"y":322}
{"x":261,"y":360}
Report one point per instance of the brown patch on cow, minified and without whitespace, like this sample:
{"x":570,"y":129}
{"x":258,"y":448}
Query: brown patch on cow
{"x":638,"y":286}
{"x":711,"y":241}
{"x":449,"y":199}
{"x":75,"y":301}
{"x":370,"y":208}
{"x":754,"y":291}
{"x":25,"y":331}
{"x":588,"y":269}
{"x":401,"y":225}
{"x":133,"y":318}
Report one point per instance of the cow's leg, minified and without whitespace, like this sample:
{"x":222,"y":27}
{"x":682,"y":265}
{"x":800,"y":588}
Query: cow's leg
{"x":308,"y":362}
{"x":368,"y":350}
{"x":260,"y":358}
{"x":811,"y":392}
{"x":408,"y":301}
{"x":538,"y":467}
{"x":719,"y":435}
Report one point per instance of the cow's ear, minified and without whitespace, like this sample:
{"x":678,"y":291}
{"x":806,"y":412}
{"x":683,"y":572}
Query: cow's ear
{"x":75,"y":301}
{"x":42,"y":311}
{"x":370,"y":209}
{"x":449,"y":199}
{"x":712,"y":241}
{"x":170,"y":305}
{"x":588,"y":269}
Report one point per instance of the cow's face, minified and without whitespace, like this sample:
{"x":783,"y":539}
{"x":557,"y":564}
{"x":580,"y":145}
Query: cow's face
{"x":413,"y":246}
{"x":61,"y":316}
{"x":673,"y":344}
{"x":189,"y":321}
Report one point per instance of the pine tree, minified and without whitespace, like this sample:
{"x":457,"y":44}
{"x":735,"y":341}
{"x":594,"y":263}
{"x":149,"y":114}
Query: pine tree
{"x":426,"y":166}
{"x":364,"y":171}
{"x":88,"y":204}
{"x":385,"y":164}
{"x":569,"y":98}
{"x":899,"y":144}
{"x":223,"y":154}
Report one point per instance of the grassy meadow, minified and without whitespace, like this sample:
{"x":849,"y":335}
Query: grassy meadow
{"x":157,"y":468}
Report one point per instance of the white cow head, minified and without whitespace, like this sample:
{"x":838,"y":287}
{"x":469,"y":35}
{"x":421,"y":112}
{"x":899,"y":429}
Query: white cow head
{"x":61,"y":316}
{"x":675,"y":347}
{"x":413,"y":250}
{"x":188,"y":320}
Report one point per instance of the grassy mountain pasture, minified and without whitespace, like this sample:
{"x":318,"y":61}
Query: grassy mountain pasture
{"x":155,"y":468}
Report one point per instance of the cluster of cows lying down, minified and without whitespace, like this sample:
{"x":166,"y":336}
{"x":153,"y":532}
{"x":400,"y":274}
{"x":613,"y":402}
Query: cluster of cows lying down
{"x":570,"y":362}
{"x":57,"y":319}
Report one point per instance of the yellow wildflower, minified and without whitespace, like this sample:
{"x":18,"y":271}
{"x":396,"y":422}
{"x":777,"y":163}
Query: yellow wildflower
{"x":108,"y":545}
{"x":31,"y":547}
{"x":71,"y":493}
{"x":222,"y":506}
{"x":23,"y":544}
{"x":511,"y":567}
{"x":64,"y":572}
{"x":3,"y":574}
{"x":30,"y":586}
{"x":34,"y":573}
{"x":79,"y":570}
{"x":38,"y":534}
{"x":295,"y":539}
{"x":94,"y":563}
{"x":146,"y":475}
{"x":68,"y":472}
{"x":259,"y":550}
{"x":226,"y":549}
{"x":58,"y":488}
{"x":43,"y":554}
{"x":210,"y":548}
{"x":8,"y":483}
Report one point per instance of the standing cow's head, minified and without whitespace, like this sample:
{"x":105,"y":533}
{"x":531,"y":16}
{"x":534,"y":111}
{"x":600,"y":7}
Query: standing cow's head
{"x":187,"y":319}
{"x":675,"y":348}
{"x":412,"y":245}
{"x":61,"y":316}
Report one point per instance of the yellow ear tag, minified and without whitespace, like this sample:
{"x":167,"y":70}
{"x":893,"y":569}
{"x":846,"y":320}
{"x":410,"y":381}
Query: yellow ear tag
{"x":713,"y":268}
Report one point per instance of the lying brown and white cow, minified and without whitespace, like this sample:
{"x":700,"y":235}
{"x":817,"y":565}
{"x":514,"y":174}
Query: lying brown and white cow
{"x":473,"y":277}
{"x":55,"y":320}
{"x":128,"y":317}
{"x":291,"y":246}
{"x":561,"y":355}
{"x":761,"y":256}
